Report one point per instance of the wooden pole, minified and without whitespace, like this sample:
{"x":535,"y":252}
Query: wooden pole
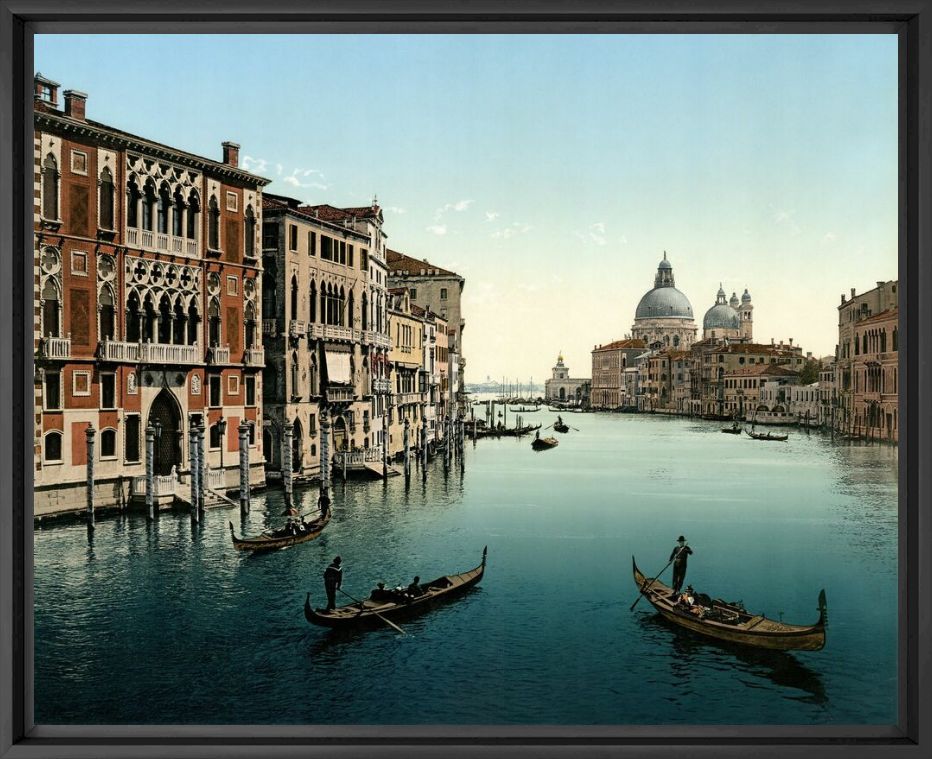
{"x":150,"y":454}
{"x":192,"y":468}
{"x":244,"y":467}
{"x":90,"y":434}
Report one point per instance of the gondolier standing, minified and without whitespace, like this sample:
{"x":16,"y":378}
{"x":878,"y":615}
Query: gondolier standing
{"x":678,"y":557}
{"x":333,"y":579}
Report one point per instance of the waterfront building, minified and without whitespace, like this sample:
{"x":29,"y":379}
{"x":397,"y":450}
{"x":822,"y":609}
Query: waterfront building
{"x":729,"y":319}
{"x":757,"y":391}
{"x":322,"y":344}
{"x":563,"y":388}
{"x":664,"y":316}
{"x":147,"y":308}
{"x":439,"y":290}
{"x":614,"y":376}
{"x":805,"y":402}
{"x":828,"y":395}
{"x":866,"y":363}
{"x":407,"y":383}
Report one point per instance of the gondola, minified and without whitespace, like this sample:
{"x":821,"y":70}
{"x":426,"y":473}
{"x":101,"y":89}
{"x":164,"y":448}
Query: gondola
{"x":543,"y":443}
{"x":731,"y":622}
{"x":280,"y":538}
{"x":766,"y":436}
{"x":732,"y":430}
{"x":561,"y":427}
{"x":394,"y":604}
{"x":523,"y":410}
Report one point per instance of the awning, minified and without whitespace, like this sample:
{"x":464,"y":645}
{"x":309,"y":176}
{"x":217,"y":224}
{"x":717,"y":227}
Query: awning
{"x":338,"y":367}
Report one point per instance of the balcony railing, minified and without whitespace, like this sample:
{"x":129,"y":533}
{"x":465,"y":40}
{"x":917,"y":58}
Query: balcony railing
{"x":113,"y":350}
{"x":377,"y":339}
{"x":339,"y":394}
{"x":162,"y":485}
{"x":165,"y":353}
{"x":358,"y":458}
{"x":218,"y":354}
{"x":254,"y":357}
{"x":404,"y":398}
{"x":315,"y":331}
{"x":297,"y":328}
{"x":337,"y":333}
{"x":56,"y":347}
{"x":160,"y":241}
{"x":270,"y":327}
{"x":379,"y":385}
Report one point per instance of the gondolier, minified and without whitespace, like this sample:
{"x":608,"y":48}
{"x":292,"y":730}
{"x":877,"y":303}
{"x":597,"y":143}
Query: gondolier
{"x":333,"y":579}
{"x":680,"y":553}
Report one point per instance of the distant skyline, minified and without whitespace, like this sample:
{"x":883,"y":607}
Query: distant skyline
{"x":552,"y":172}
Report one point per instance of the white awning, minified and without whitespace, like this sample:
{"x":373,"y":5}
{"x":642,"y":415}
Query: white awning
{"x":338,"y":368}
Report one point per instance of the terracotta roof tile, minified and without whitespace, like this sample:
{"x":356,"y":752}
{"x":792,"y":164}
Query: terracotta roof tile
{"x":627,"y":344}
{"x":399,"y":263}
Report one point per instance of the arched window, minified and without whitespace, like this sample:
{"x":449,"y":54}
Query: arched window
{"x":51,"y":309}
{"x":213,"y":225}
{"x":165,"y":320}
{"x":294,"y":375}
{"x":149,"y":319}
{"x":895,"y":337}
{"x":194,"y":320}
{"x":133,"y":332}
{"x":108,"y":444}
{"x":53,"y":446}
{"x":50,"y":188}
{"x":324,"y":304}
{"x":148,"y":206}
{"x":676,"y":341}
{"x":365,"y":311}
{"x":350,"y":315}
{"x":106,"y":309}
{"x":294,"y":297}
{"x":315,"y":390}
{"x":864,"y":343}
{"x":213,"y":323}
{"x":178,"y":214}
{"x":883,"y":341}
{"x":181,"y":323}
{"x":313,"y":302}
{"x":105,"y":199}
{"x":341,"y":308}
{"x":215,"y":437}
{"x":132,"y":204}
{"x":194,"y":212}
{"x":164,"y":208}
{"x":250,"y":325}
{"x":250,"y":246}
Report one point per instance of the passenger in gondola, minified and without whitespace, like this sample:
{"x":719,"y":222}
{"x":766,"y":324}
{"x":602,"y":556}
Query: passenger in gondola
{"x":680,"y":553}
{"x":323,"y":503}
{"x":333,"y":579}
{"x":289,"y":527}
{"x":379,"y":593}
{"x":414,"y":589}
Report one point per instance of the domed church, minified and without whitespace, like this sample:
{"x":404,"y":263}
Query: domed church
{"x":664,"y":316}
{"x":729,"y":319}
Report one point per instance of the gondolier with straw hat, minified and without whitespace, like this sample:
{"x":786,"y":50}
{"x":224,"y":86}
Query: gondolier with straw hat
{"x":680,"y":553}
{"x":333,"y":579}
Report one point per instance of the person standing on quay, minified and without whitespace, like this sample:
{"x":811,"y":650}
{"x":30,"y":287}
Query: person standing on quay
{"x":333,"y":579}
{"x":680,"y":553}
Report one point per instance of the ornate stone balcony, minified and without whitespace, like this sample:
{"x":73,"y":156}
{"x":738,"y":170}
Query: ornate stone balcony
{"x":160,"y":241}
{"x":166,"y":353}
{"x":270,"y":327}
{"x":254,"y":357}
{"x":297,"y":328}
{"x":218,"y":354}
{"x":379,"y":385}
{"x":55,"y":347}
{"x":339,"y":394}
{"x":114,"y":350}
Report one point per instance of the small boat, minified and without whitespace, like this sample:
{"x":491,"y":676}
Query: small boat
{"x":393,"y":604}
{"x":766,"y":436}
{"x":732,"y":430}
{"x":523,"y":410}
{"x":280,"y":538}
{"x":543,"y":443}
{"x":731,"y":622}
{"x":561,"y":427}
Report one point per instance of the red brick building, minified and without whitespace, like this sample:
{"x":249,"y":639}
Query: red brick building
{"x":147,"y":305}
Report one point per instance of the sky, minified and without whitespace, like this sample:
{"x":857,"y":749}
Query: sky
{"x":552,"y":171}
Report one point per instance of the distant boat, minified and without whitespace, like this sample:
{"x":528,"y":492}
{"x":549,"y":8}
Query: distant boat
{"x":561,"y":427}
{"x":543,"y":443}
{"x":524,"y":410}
{"x":732,"y":430}
{"x":730,"y":621}
{"x":766,"y":436}
{"x":280,"y":538}
{"x":393,"y":604}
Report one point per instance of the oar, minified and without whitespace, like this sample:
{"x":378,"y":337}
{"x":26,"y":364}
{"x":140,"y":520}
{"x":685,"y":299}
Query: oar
{"x":643,"y":591}
{"x":386,"y":621}
{"x":548,"y":427}
{"x":574,"y":428}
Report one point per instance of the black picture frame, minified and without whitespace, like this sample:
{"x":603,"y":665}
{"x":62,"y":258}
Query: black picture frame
{"x":911,"y":20}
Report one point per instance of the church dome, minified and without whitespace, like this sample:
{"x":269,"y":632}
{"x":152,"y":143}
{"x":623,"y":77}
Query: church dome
{"x":746,"y":298}
{"x":733,"y":302}
{"x":721,"y":315}
{"x":664,"y":302}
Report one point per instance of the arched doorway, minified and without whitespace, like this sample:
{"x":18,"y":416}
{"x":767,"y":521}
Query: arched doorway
{"x":339,"y":434}
{"x":165,"y":416}
{"x":267,"y":448}
{"x":297,"y":447}
{"x":562,"y":393}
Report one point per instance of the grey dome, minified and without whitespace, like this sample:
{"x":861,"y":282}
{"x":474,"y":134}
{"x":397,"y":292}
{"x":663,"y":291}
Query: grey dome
{"x":733,"y":302}
{"x":746,"y":298}
{"x":664,"y":264}
{"x":721,"y":316}
{"x":664,"y":302}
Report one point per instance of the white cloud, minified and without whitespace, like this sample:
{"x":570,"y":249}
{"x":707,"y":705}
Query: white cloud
{"x":516,"y":228}
{"x":491,"y":215}
{"x":594,"y":233}
{"x":293,"y":179}
{"x":459,"y":205}
{"x":396,"y":209}
{"x":438,"y":229}
{"x":784,"y":218}
{"x":258,"y":165}
{"x":829,"y":237}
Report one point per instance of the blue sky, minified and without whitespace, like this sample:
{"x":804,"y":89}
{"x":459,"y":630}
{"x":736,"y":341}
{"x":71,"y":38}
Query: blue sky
{"x":552,"y":171}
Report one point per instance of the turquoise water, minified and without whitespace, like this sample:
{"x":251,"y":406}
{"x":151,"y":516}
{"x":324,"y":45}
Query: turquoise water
{"x":166,"y":623}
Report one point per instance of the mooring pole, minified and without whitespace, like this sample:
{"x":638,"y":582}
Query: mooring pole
{"x":193,"y":468}
{"x":202,"y":466}
{"x":287,"y":433}
{"x":325,"y":448}
{"x":90,"y":434}
{"x":150,"y":455}
{"x":407,"y":444}
{"x":244,"y":467}
{"x":384,"y":442}
{"x":424,"y":438}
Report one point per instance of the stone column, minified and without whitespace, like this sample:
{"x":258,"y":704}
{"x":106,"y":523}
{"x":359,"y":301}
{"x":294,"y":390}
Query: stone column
{"x":244,"y":466}
{"x":195,"y":475}
{"x":150,"y":457}
{"x":287,"y":433}
{"x":90,"y":434}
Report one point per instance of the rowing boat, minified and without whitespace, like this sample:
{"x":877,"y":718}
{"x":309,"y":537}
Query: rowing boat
{"x":543,"y":443}
{"x":731,"y":622}
{"x":767,"y":436}
{"x":280,"y":538}
{"x":561,"y":427}
{"x":732,"y":430}
{"x":394,"y":604}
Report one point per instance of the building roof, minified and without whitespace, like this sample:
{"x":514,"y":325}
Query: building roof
{"x":399,"y":263}
{"x":273,"y":202}
{"x":773,"y":370}
{"x":328,"y":212}
{"x":758,"y":348}
{"x":883,"y":316}
{"x":627,"y":344}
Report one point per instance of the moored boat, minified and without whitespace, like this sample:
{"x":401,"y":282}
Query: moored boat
{"x":543,"y":443}
{"x":270,"y":541}
{"x":731,"y":622}
{"x":394,"y":604}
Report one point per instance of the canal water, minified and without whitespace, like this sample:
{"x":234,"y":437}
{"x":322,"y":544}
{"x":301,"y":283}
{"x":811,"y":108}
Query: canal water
{"x":166,"y":623}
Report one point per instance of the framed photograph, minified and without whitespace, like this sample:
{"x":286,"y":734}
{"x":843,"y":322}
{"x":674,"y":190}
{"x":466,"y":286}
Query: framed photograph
{"x":662,"y":497}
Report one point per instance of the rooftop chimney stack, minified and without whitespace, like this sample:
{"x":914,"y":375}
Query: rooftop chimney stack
{"x":45,"y":90}
{"x":231,"y":154}
{"x":852,"y":292}
{"x":75,"y":104}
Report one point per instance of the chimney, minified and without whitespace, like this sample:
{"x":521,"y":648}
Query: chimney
{"x":231,"y":154}
{"x":45,"y":90}
{"x":843,"y":299}
{"x":75,"y":104}
{"x":852,"y":292}
{"x":791,"y":341}
{"x":880,"y":283}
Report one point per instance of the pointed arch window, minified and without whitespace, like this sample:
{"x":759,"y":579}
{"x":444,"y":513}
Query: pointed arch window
{"x":250,"y":325}
{"x":107,"y":310}
{"x":164,"y":209}
{"x":213,"y":224}
{"x":194,"y":320}
{"x":178,"y":214}
{"x":149,"y":320}
{"x":165,"y":321}
{"x":895,"y":338}
{"x":213,"y":323}
{"x":365,"y":311}
{"x":350,"y":316}
{"x":51,"y":309}
{"x":313,"y":303}
{"x":105,"y":199}
{"x":180,"y":332}
{"x":133,"y":331}
{"x":50,"y":175}
{"x":148,"y":206}
{"x":294,"y":375}
{"x":133,"y":197}
{"x":194,"y":212}
{"x":294,"y":297}
{"x":250,"y":242}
